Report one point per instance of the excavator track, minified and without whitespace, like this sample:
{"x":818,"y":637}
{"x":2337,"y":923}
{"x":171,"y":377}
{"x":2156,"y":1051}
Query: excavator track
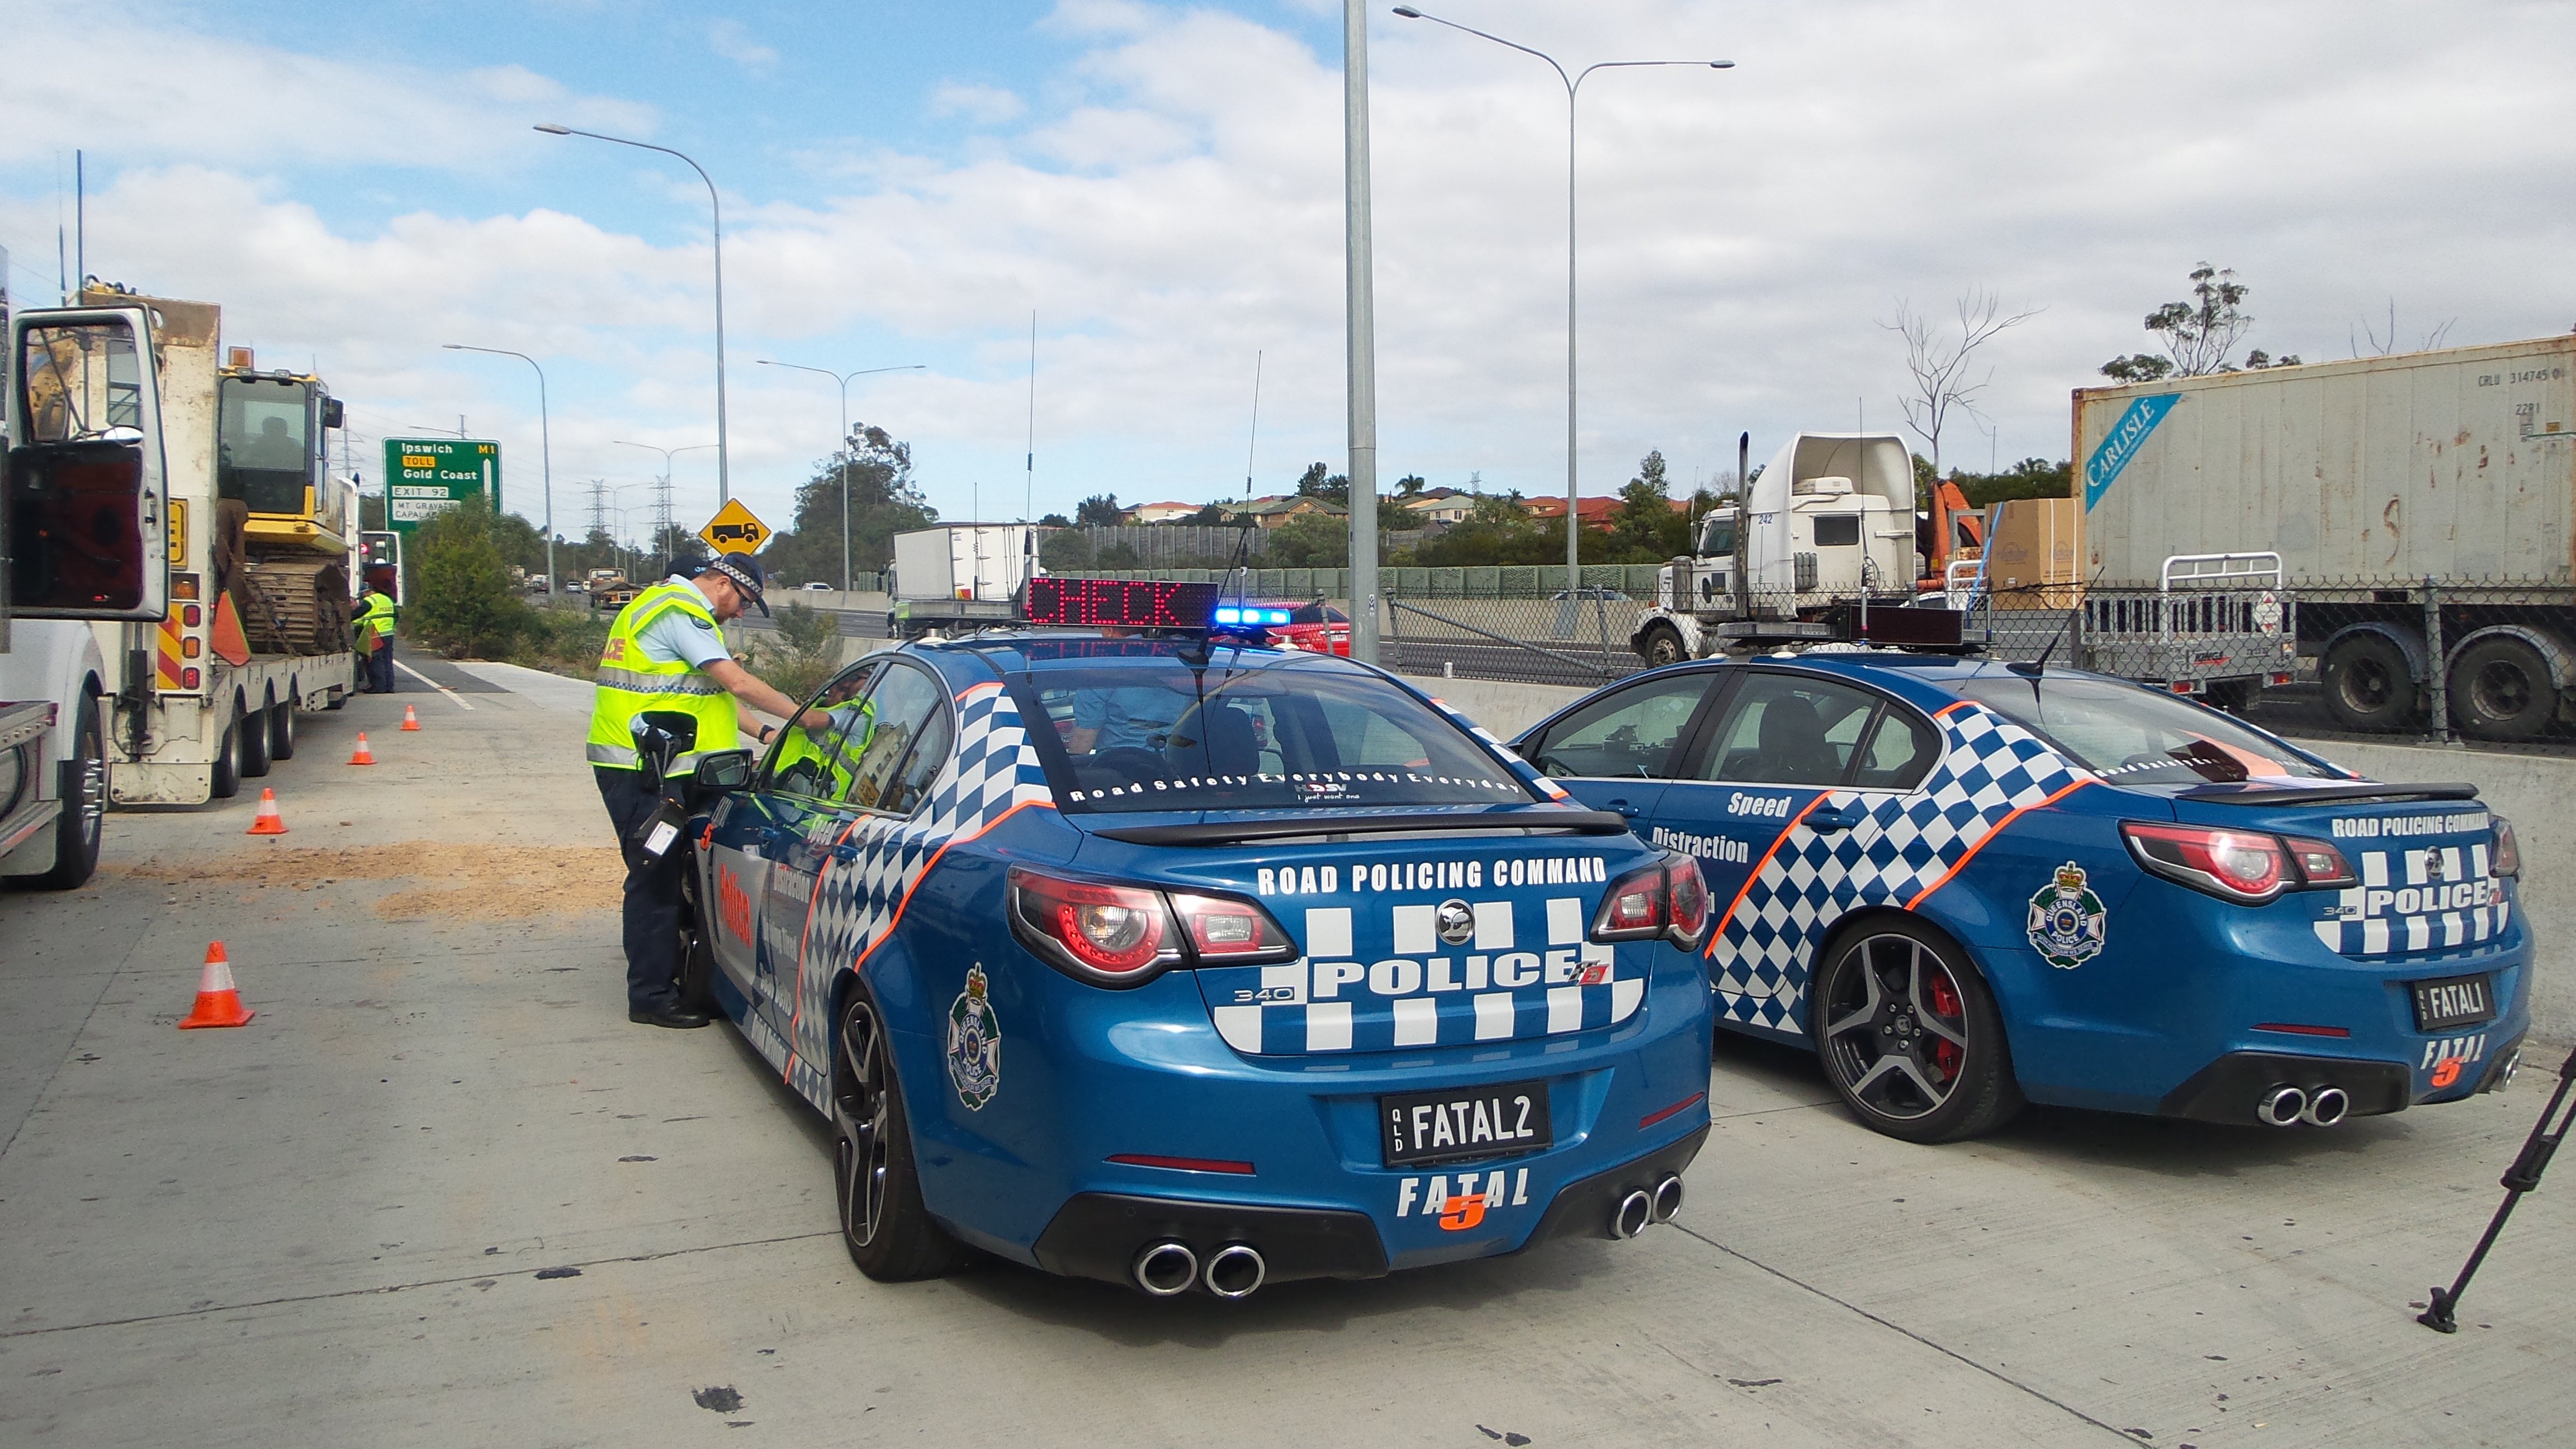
{"x":295,"y":606}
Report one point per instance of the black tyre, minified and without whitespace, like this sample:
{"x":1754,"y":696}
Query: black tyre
{"x":84,"y":797}
{"x":889,"y":1233}
{"x":281,"y":731}
{"x":697,"y":984}
{"x":2501,"y":690}
{"x":226,"y":781}
{"x":1910,"y":1037}
{"x":1661,"y":644}
{"x":2367,"y":684}
{"x":253,"y":740}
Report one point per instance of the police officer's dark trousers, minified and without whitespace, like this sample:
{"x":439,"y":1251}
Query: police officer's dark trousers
{"x":380,"y":669}
{"x":652,"y":908}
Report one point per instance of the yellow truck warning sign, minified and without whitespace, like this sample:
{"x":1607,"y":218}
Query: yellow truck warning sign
{"x":735,"y":530}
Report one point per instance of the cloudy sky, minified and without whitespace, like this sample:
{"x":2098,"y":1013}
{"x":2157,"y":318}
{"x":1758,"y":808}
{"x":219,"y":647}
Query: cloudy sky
{"x":904,"y":181}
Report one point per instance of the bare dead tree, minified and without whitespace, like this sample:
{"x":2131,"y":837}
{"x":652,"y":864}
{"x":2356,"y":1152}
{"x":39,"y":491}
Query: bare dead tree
{"x":2380,"y":347}
{"x":1941,"y":362}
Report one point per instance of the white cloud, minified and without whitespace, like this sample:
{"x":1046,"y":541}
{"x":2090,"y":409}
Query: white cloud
{"x":983,"y":105}
{"x":730,"y":39}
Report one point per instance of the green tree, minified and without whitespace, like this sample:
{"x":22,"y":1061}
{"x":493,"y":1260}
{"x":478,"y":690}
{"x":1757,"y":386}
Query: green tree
{"x":1318,"y":481}
{"x":2029,"y":478}
{"x":1410,"y":485}
{"x":1055,"y":520}
{"x":2198,"y":335}
{"x":465,"y":605}
{"x":884,"y":501}
{"x":1099,"y":510}
{"x":1066,"y":549}
{"x":1315,"y":541}
{"x":1645,"y":528}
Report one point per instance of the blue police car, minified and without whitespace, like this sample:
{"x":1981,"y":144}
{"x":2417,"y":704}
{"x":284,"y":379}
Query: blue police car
{"x":1176,"y":961}
{"x":1967,"y":884}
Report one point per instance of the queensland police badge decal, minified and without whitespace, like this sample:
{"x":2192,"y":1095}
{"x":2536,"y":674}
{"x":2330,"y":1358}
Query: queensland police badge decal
{"x":2066,"y":921}
{"x":974,"y":1044}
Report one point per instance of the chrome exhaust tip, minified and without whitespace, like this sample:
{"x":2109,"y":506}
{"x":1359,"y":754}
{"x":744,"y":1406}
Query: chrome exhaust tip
{"x":1634,"y":1213}
{"x":1668,"y":1197}
{"x":1165,"y":1269}
{"x":2281,"y":1106}
{"x":2503,"y":1077}
{"x":2326,"y":1107}
{"x":1236,"y":1271}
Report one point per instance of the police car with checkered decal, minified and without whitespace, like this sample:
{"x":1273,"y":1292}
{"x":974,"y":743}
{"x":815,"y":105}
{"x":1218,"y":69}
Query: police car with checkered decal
{"x":1967,"y":884}
{"x":1177,"y":961}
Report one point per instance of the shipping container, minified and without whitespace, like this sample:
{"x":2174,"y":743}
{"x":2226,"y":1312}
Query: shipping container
{"x":2423,"y":507}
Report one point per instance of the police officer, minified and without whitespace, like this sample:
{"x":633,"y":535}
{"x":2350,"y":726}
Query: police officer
{"x":375,"y":624}
{"x":666,"y":655}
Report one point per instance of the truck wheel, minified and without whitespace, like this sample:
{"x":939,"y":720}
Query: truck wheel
{"x":2367,"y":685}
{"x":281,"y":731}
{"x":2500,"y":689}
{"x":252,"y":735}
{"x":84,"y":796}
{"x":225,"y":782}
{"x":1661,"y":644}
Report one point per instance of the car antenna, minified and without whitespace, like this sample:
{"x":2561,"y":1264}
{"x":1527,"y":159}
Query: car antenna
{"x":2035,"y":668}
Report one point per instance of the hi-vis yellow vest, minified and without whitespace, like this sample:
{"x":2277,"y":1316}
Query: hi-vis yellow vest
{"x":631,"y":684}
{"x":378,"y":619}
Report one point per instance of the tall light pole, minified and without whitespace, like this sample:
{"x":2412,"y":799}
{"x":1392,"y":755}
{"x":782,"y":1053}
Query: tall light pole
{"x":545,"y":449}
{"x":724,"y":456}
{"x":1360,"y":309}
{"x":1573,"y":84}
{"x":667,"y":454}
{"x":841,"y":449}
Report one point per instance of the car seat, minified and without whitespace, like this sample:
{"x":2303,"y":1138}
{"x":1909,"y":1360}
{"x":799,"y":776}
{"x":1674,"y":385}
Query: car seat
{"x":1791,"y":747}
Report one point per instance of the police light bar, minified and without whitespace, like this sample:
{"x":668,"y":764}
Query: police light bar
{"x":1117,"y":603}
{"x":1249,"y":616}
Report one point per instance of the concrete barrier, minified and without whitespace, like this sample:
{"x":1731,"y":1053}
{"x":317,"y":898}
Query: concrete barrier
{"x":2531,"y":791}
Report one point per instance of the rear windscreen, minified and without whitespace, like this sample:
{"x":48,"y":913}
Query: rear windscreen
{"x":1157,"y":733}
{"x":2133,"y":734}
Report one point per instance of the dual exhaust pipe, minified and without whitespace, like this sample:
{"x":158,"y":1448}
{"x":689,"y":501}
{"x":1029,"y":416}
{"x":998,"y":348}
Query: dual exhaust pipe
{"x":1169,"y":1268}
{"x":2288,"y":1106}
{"x":1642,"y":1208}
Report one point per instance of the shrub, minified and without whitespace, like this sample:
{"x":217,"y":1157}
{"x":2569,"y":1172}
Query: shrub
{"x":466,"y":606}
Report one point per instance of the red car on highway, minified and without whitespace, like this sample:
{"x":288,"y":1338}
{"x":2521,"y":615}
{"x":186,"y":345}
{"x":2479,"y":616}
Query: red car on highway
{"x":1314,"y":626}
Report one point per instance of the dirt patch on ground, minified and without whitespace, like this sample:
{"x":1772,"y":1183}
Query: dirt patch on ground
{"x":452,"y":881}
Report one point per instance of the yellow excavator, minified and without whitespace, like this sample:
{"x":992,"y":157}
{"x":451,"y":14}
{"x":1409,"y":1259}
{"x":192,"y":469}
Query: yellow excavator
{"x":283,"y":524}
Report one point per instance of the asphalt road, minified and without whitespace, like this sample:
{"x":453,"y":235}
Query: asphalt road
{"x":440,"y":1192}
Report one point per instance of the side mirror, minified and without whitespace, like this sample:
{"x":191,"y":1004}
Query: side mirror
{"x":333,"y":414}
{"x":724,"y":770}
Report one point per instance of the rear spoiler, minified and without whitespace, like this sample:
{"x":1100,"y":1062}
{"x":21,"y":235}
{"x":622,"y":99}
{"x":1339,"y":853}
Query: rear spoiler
{"x":2321,"y":794}
{"x":1580,"y":822}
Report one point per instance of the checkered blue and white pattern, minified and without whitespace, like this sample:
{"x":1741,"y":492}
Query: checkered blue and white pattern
{"x":1527,"y":773}
{"x":1458,"y":999}
{"x":1763,"y":955}
{"x":2385,"y":914}
{"x":991,"y":771}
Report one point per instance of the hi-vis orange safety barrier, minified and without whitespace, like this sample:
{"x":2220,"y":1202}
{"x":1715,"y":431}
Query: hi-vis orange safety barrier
{"x":219,"y":1001}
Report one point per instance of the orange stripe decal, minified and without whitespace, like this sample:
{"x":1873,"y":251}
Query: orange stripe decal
{"x":1962,"y":863}
{"x":1755,"y":874}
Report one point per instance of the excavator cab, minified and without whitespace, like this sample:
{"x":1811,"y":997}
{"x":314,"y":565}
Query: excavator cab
{"x":271,"y":446}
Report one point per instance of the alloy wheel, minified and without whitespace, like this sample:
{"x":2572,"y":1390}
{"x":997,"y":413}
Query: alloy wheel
{"x":1896,"y":1028}
{"x":859,"y":1108}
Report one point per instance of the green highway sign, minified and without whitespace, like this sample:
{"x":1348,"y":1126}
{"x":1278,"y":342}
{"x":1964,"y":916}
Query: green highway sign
{"x":425,"y":477}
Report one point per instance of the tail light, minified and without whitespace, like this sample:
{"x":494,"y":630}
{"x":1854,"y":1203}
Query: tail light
{"x":2245,"y":866}
{"x":1668,"y":899}
{"x":2507,"y":857}
{"x":1123,"y":935}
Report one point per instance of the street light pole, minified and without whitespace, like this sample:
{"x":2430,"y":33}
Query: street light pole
{"x":1361,"y":308}
{"x":1573,"y":85}
{"x":841,"y":450}
{"x":724,"y":456}
{"x":545,"y":449}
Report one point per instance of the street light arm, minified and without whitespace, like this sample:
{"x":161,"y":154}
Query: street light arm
{"x":1631,"y":64}
{"x":1409,"y":13}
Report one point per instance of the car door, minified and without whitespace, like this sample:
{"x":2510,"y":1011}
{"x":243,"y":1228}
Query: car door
{"x":753,"y":829}
{"x":1617,"y":751}
{"x":904,"y":708}
{"x":1778,"y":745}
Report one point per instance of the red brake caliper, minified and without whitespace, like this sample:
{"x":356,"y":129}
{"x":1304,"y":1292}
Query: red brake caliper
{"x":1946,"y":1005}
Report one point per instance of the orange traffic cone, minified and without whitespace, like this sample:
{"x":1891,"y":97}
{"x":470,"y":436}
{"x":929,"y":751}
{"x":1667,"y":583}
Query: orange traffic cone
{"x":411,"y":721}
{"x":362,"y":757}
{"x":219,"y":1002}
{"x":269,"y":821}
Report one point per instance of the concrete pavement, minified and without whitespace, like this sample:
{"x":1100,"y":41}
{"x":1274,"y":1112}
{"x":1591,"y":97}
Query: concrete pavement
{"x":350,"y":1222}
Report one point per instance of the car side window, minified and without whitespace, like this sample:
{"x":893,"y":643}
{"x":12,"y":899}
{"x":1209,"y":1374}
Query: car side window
{"x":920,"y":768}
{"x":1627,"y":735}
{"x":1900,"y":751}
{"x":1783,"y":729}
{"x":899,"y":711}
{"x":800,"y":760}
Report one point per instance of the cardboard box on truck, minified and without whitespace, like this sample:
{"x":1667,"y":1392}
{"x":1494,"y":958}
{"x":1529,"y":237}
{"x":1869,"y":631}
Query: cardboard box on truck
{"x":2034,"y":553}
